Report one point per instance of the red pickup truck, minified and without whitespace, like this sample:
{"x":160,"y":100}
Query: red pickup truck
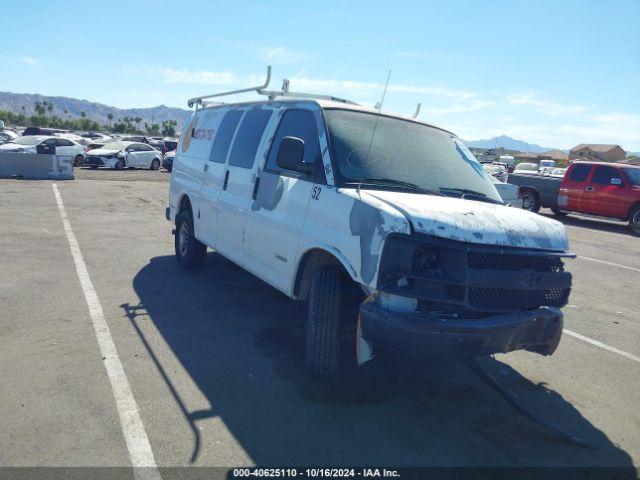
{"x":603,"y":189}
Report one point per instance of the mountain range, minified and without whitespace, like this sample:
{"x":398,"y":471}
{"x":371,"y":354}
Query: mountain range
{"x":507,"y":143}
{"x":69,"y":108}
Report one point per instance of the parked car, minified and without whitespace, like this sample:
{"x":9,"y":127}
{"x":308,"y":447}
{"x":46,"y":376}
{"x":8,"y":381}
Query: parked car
{"x":41,"y":131}
{"x":509,"y":161}
{"x":546,"y":164}
{"x":291,"y":191}
{"x":526,"y":167}
{"x":167,"y":161}
{"x":30,"y":144}
{"x":7,"y":135}
{"x":169,"y":144}
{"x":134,"y":138}
{"x":496,"y":170}
{"x":558,"y":172}
{"x":120,"y":155}
{"x":536,"y":190}
{"x":605,"y":190}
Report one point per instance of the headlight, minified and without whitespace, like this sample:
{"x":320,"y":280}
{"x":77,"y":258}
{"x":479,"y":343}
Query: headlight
{"x":120,"y":155}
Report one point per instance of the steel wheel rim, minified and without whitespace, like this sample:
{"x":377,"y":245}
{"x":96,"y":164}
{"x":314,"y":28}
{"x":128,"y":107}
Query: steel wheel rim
{"x":183,"y":239}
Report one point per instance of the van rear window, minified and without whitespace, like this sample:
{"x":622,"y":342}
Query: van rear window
{"x":248,"y":138}
{"x":224,"y":136}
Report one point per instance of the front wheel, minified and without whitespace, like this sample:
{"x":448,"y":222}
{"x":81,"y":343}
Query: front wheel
{"x":79,"y":160}
{"x":326,"y":300}
{"x":190,"y":252}
{"x":530,"y":201}
{"x":120,"y":165}
{"x":155,"y":165}
{"x":634,"y":221}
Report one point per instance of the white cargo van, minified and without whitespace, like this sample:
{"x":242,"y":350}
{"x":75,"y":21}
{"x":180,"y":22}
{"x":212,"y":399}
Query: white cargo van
{"x":387,"y":226}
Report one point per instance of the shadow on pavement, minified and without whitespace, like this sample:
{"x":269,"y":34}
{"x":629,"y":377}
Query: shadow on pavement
{"x":242,"y":343}
{"x":602,"y":225}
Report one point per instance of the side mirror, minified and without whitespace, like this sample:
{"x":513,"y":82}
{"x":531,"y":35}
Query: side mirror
{"x":291,"y":154}
{"x":616,"y":181}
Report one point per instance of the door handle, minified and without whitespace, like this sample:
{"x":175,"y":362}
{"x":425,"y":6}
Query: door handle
{"x":226,"y":180}
{"x":205,"y":167}
{"x":255,"y":188}
{"x":589,"y":188}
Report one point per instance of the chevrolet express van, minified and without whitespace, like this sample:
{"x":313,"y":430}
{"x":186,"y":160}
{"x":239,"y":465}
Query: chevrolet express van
{"x":387,"y":226}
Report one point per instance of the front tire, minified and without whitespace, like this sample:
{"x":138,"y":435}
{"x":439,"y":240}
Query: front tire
{"x":190,"y":252}
{"x":322,"y":353}
{"x":634,"y":221}
{"x":155,"y":164}
{"x":79,"y":160}
{"x":119,"y":165}
{"x":530,"y":201}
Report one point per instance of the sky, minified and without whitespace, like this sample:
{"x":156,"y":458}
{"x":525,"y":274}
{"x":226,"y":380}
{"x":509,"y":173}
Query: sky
{"x":555,"y":73}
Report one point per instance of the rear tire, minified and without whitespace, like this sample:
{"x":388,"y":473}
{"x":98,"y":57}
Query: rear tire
{"x":190,"y":252}
{"x":530,"y":201}
{"x":326,"y":300}
{"x":155,"y":164}
{"x":634,"y":221}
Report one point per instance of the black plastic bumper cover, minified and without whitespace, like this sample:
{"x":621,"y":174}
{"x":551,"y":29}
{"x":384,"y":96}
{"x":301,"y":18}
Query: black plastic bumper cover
{"x":422,"y":335}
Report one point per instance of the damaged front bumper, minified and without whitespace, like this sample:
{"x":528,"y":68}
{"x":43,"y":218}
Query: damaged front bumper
{"x":425,"y":335}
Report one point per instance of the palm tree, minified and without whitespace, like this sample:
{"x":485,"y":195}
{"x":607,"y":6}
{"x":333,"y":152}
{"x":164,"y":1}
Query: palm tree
{"x":50,"y":109}
{"x":83,"y":114}
{"x":137,"y":120}
{"x":66,"y":112}
{"x":110,"y":117}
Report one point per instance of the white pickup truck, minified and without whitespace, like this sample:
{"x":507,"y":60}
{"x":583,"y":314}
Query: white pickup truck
{"x":387,"y":226}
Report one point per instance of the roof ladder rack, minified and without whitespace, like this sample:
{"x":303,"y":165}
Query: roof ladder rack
{"x":261,"y":90}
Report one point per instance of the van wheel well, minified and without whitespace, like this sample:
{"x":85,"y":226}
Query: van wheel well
{"x":311,"y":261}
{"x":185,"y":204}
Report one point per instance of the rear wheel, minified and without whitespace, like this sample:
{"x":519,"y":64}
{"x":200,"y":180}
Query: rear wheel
{"x":190,"y":252}
{"x":155,"y":165}
{"x":634,"y":221}
{"x":530,"y":201}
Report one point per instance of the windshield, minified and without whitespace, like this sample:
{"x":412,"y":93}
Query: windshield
{"x":633,"y":174}
{"x":115,"y":145}
{"x":28,"y":140}
{"x":404,"y":151}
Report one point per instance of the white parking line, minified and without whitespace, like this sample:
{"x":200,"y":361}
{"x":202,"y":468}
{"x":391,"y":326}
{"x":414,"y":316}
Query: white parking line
{"x":134,"y":433}
{"x":637,"y":270}
{"x":601,"y":345}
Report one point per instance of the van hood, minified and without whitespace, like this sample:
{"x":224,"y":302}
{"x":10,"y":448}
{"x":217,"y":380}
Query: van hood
{"x":476,"y":222}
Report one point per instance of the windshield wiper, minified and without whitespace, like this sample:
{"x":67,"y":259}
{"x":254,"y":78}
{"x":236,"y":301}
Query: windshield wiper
{"x":389,"y":182}
{"x":470,"y":195}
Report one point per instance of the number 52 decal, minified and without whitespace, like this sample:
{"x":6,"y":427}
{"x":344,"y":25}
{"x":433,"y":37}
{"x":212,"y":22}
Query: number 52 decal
{"x":315,"y":193}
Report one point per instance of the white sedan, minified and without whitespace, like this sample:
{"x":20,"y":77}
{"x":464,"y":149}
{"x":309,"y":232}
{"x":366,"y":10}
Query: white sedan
{"x":121,"y":155}
{"x":30,"y":143}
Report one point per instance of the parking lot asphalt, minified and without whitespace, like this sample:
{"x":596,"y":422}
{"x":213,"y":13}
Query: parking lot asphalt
{"x":215,"y":358}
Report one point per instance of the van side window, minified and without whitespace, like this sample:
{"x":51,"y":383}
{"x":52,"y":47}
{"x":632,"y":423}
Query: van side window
{"x":579,"y":173}
{"x":248,"y":138}
{"x":223,"y":138}
{"x":603,"y":175}
{"x":300,"y":124}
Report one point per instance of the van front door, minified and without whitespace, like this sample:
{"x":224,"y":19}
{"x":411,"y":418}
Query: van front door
{"x":281,"y":200}
{"x":237,"y":187}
